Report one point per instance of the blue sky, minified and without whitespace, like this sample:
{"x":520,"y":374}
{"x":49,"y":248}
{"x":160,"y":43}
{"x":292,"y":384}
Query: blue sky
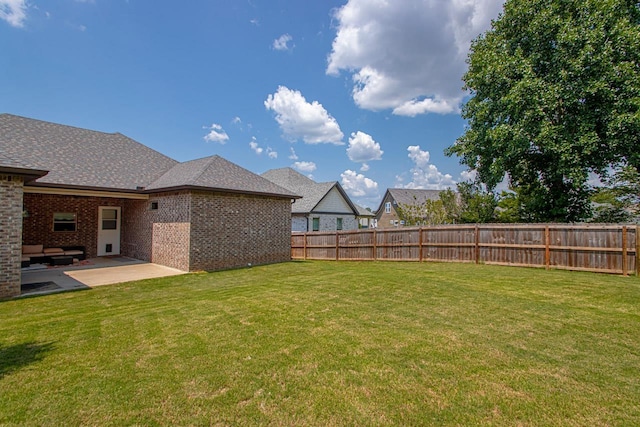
{"x":364,"y":92}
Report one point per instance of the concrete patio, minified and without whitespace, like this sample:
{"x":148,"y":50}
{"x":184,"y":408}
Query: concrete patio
{"x":41,"y":279}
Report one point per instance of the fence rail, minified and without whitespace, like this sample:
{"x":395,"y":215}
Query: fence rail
{"x":598,"y":248}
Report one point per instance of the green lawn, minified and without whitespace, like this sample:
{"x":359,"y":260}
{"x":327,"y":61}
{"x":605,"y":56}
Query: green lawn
{"x":326,"y":343}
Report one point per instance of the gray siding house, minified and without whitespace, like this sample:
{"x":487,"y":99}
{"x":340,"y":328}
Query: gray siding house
{"x":324,"y":206}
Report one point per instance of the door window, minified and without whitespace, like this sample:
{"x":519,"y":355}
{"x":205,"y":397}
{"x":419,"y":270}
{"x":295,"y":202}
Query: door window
{"x":110,"y":219}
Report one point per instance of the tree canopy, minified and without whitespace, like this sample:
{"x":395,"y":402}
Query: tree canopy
{"x":555,"y":96}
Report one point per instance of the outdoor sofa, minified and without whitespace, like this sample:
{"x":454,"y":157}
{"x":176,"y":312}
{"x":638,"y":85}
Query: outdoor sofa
{"x":40,"y":254}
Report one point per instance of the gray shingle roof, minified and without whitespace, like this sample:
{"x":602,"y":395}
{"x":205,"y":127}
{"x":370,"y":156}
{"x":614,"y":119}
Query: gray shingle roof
{"x":217,"y":173}
{"x":312,"y":192}
{"x":8,"y":164}
{"x":407,"y":196}
{"x":80,"y":157}
{"x":363,"y":211}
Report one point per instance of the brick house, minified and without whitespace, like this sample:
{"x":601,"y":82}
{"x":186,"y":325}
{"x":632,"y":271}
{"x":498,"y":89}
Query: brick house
{"x":65,"y":186}
{"x":324,"y":206}
{"x":387,"y":213}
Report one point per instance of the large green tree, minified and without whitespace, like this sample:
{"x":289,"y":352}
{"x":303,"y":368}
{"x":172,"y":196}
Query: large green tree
{"x":555,"y":95}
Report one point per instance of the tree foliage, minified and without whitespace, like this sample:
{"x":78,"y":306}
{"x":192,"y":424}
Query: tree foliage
{"x":477,"y":204}
{"x":619,"y":201}
{"x":444,"y":210}
{"x":555,"y":95}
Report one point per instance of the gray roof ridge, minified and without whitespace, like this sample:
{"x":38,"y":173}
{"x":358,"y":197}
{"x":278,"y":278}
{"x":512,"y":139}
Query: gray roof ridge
{"x":209,"y":160}
{"x":64,"y":125}
{"x":181,"y":164}
{"x":89,"y":130}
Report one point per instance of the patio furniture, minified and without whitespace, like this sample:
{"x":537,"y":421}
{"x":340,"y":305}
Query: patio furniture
{"x":40,"y":254}
{"x":62,"y":260}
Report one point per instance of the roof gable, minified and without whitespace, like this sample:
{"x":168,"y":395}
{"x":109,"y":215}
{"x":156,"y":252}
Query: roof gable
{"x":334,"y":202}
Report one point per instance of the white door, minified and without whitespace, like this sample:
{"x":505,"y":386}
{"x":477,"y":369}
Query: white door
{"x":108,"y":230}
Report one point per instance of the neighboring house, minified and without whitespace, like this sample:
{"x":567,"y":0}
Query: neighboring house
{"x":387,"y":213}
{"x":366,"y":218}
{"x":324,"y":205}
{"x":65,"y":186}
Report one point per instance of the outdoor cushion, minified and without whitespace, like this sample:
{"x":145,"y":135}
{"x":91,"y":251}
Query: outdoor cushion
{"x":26,"y":258}
{"x":74,"y":252}
{"x":32,"y":249}
{"x":50,"y":251}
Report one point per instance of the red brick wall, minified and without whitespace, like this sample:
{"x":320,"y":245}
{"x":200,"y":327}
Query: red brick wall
{"x":189,"y":230}
{"x":162,"y":235}
{"x":38,"y":226}
{"x":229,"y":231}
{"x":10,"y":234}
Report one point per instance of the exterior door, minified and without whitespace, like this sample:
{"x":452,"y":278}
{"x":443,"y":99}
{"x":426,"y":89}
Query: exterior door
{"x":108,"y":230}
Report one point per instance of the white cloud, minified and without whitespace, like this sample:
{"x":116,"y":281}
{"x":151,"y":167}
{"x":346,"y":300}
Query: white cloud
{"x":282,"y":42}
{"x":425,"y":175}
{"x":300,"y":119}
{"x":14,"y":12}
{"x":304,"y":166}
{"x":468,"y":176}
{"x":259,"y":150}
{"x":293,"y":155}
{"x":364,"y":167}
{"x":362,"y":148}
{"x":417,"y":156}
{"x":358,"y":185}
{"x":408,"y":55}
{"x":254,"y":146}
{"x":236,"y":120}
{"x":216,"y":134}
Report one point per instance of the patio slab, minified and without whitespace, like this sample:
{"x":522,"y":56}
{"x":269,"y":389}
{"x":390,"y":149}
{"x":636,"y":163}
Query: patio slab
{"x":94,"y":272}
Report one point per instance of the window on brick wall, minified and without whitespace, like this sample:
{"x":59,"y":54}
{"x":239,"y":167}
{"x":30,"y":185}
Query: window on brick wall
{"x":316,"y":224}
{"x":387,"y":207}
{"x":153,"y":206}
{"x":64,"y":221}
{"x":338,"y":223}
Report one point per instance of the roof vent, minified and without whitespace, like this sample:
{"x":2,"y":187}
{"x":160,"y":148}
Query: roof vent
{"x":139,"y":187}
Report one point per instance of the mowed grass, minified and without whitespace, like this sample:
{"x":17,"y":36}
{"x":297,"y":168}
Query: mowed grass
{"x":326,"y":343}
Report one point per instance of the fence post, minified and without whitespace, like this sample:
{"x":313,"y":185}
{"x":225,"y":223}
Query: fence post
{"x":624,"y":251}
{"x":337,"y":246}
{"x":420,"y":243}
{"x":375,"y":245}
{"x":477,"y":254}
{"x":304,"y":245}
{"x":547,"y":250}
{"x":637,"y":250}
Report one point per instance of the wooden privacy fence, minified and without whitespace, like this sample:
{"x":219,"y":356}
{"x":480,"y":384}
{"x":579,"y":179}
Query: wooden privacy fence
{"x":598,"y":248}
